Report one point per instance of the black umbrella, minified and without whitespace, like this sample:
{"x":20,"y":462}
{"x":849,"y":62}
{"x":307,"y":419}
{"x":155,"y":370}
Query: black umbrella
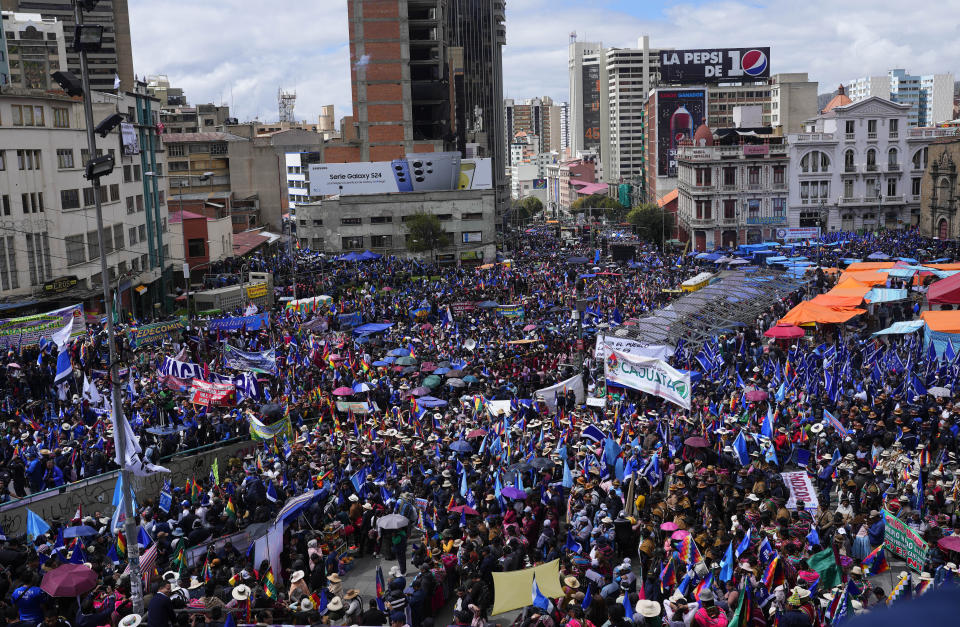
{"x":520,"y":467}
{"x":542,"y":463}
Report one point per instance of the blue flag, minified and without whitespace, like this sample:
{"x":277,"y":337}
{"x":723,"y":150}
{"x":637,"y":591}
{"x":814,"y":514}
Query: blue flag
{"x":744,"y":544}
{"x":567,"y":481}
{"x":740,"y":448}
{"x":64,"y":367}
{"x":538,"y":599}
{"x":766,"y":428}
{"x":587,"y":597}
{"x":36,"y":526}
{"x":726,"y":566}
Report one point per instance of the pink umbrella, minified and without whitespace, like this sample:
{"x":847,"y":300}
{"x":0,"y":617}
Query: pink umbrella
{"x":529,"y":327}
{"x":756,"y":395}
{"x":335,"y":357}
{"x":679,"y":534}
{"x":343,"y":391}
{"x":784,"y":332}
{"x":476,"y":433}
{"x":69,"y":580}
{"x":427,"y":366}
{"x":464,"y":509}
{"x":950,"y":543}
{"x":669,"y":526}
{"x":426,"y":326}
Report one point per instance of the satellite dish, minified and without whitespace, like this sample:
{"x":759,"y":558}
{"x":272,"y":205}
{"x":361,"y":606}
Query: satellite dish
{"x":470,"y":345}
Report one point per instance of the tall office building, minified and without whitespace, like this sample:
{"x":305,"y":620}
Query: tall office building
{"x":930,"y":96}
{"x":585,"y":89}
{"x":535,"y":117}
{"x":116,"y":56}
{"x":427,"y":75}
{"x":564,"y":125}
{"x":631,"y":73}
{"x":31,"y":48}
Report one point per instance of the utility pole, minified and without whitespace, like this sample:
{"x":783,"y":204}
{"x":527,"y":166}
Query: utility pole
{"x":119,"y":433}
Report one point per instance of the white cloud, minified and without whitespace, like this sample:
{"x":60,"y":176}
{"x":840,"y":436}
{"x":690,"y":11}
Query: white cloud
{"x":210,"y":47}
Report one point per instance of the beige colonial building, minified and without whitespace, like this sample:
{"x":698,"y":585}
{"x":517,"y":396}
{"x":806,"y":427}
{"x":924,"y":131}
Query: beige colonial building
{"x":941,"y":190}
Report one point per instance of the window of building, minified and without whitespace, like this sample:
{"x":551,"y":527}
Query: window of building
{"x":472,"y":237}
{"x":703,"y":177}
{"x":848,"y":188}
{"x":130,"y":206}
{"x":891,"y":187}
{"x":118,"y":236}
{"x":848,"y":161}
{"x":317,"y":243}
{"x":75,"y":252}
{"x":753,"y":176}
{"x":779,"y":207}
{"x":871,"y":160}
{"x":5,"y":202}
{"x":61,"y":117}
{"x":871,"y":129}
{"x":318,"y":223}
{"x":132,"y":235}
{"x":703,"y":210}
{"x":381,"y":220}
{"x":175,"y":150}
{"x":381,"y":241}
{"x":69,"y":199}
{"x":779,"y":173}
{"x":350,"y":221}
{"x":196,"y":247}
{"x":114,"y":192}
{"x":139,"y":203}
{"x":894,"y":128}
{"x":136,"y":173}
{"x":920,"y":159}
{"x":915,"y":186}
{"x":64,"y":158}
{"x":107,"y":241}
{"x":9,"y":277}
{"x":93,"y":246}
{"x":444,"y":217}
{"x":810,"y":219}
{"x":3,"y":160}
{"x":812,"y":192}
{"x":815,"y":161}
{"x":88,"y":198}
{"x":849,"y":127}
{"x":729,"y":209}
{"x":475,"y":215}
{"x":729,"y":176}
{"x":28,"y":159}
{"x":353,"y":242}
{"x":873,"y":188}
{"x":893,"y":159}
{"x":142,"y":232}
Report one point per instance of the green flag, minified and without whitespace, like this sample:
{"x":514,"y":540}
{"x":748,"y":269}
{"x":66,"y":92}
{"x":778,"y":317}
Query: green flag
{"x":737,"y":619}
{"x":215,"y":467}
{"x":825,"y":565}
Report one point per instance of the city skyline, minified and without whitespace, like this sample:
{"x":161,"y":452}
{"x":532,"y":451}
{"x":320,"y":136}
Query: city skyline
{"x":250,"y":55}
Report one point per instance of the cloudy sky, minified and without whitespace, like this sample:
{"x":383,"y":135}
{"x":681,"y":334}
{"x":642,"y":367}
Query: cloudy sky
{"x":240,"y":52}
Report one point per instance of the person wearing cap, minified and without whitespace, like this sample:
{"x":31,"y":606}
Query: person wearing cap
{"x":709,"y":614}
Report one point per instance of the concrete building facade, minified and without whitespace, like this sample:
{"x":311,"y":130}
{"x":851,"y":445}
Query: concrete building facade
{"x":48,"y":228}
{"x":376,"y":222}
{"x":929,"y":96}
{"x":533,"y":117}
{"x":858,"y":167}
{"x":793,"y":101}
{"x":940,"y":192}
{"x":116,"y":57}
{"x":33,"y":47}
{"x":631,"y":73}
{"x":577,"y":53}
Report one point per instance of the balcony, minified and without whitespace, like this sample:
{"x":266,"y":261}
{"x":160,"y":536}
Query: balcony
{"x":849,"y":200}
{"x":871,"y":137}
{"x":849,"y":137}
{"x":725,"y":221}
{"x":892,"y":200}
{"x":701,"y":189}
{"x":702,"y":223}
{"x":872,"y":167}
{"x":728,"y":187}
{"x":893,"y":167}
{"x":917,"y":133}
{"x":810,"y":138}
{"x":754,"y":187}
{"x":894,"y":135}
{"x":849,"y":169}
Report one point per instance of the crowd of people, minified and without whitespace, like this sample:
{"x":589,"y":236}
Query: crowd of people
{"x":431,"y":445}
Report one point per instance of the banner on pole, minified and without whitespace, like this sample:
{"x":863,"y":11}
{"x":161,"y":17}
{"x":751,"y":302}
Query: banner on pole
{"x":152,"y":333}
{"x":904,"y":542}
{"x":218,"y":394}
{"x":801,"y":489}
{"x":27,"y":330}
{"x":646,"y":374}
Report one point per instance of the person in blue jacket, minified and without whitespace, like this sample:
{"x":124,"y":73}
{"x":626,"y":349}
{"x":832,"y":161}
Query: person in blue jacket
{"x":30,"y":599}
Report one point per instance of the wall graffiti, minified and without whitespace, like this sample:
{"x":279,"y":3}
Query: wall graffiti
{"x":95,"y":495}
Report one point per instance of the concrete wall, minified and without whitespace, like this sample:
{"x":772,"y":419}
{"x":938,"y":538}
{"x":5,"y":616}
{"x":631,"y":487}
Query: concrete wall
{"x":96,"y":494}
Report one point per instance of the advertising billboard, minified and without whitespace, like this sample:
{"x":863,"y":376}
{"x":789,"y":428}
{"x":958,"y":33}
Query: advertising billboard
{"x":679,"y":113}
{"x":417,"y":172}
{"x":591,"y":105}
{"x":714,"y":65}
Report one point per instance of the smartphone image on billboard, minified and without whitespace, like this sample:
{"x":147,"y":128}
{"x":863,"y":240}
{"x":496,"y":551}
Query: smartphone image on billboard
{"x":434,"y":171}
{"x":467,"y":172}
{"x":401,"y":172}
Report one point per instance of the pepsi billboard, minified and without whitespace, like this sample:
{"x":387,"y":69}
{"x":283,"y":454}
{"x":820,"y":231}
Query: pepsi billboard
{"x":679,"y":113}
{"x":714,"y":65}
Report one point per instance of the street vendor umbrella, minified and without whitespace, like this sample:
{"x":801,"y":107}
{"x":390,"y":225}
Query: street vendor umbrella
{"x":456,"y":383}
{"x":476,"y":433}
{"x":461,"y":446}
{"x":80,"y":531}
{"x":343,"y":391}
{"x":938,"y":392}
{"x":669,"y":526}
{"x":69,"y":580}
{"x":784,"y":332}
{"x":393,"y":521}
{"x":949,"y":543}
{"x":696,"y":442}
{"x":513,"y":493}
{"x":406,"y":361}
{"x":420,"y":391}
{"x":756,"y":395}
{"x":432,"y":381}
{"x":464,"y":509}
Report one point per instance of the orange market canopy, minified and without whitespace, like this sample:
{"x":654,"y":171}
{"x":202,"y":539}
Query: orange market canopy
{"x":943,"y":321}
{"x":809,"y":312}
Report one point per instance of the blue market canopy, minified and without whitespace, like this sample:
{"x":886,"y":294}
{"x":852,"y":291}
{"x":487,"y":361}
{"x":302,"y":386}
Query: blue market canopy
{"x":297,"y":504}
{"x":885,"y":295}
{"x":899,"y":328}
{"x":372,"y":327}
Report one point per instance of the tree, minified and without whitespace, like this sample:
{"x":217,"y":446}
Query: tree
{"x":426,"y":233}
{"x":649,"y":222}
{"x":529,"y":207}
{"x":611,"y":207}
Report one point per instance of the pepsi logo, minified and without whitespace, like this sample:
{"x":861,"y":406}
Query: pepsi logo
{"x":754,"y":62}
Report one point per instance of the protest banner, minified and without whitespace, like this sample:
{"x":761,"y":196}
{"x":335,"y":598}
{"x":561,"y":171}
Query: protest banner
{"x":153,"y":333}
{"x":801,"y":489}
{"x":234,"y":323}
{"x":904,"y":542}
{"x":462,"y":307}
{"x":264,"y":362}
{"x":645,"y":374}
{"x":349,"y":321}
{"x":212,"y":394}
{"x":510,"y":311}
{"x":27,"y":330}
{"x":632,"y":347}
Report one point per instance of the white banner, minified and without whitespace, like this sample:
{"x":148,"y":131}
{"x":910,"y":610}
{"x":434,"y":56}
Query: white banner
{"x":574,"y":383}
{"x":801,"y":489}
{"x":632,"y":347}
{"x":645,"y":374}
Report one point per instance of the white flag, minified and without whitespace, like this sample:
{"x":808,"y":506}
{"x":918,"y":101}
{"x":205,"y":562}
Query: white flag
{"x":129,"y":457}
{"x":62,"y":337}
{"x":116,"y":81}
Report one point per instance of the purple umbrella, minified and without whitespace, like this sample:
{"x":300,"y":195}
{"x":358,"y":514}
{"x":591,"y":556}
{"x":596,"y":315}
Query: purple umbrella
{"x":69,"y":580}
{"x":513,"y":493}
{"x":420,"y":391}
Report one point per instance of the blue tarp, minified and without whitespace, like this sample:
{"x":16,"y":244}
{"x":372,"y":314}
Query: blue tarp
{"x":372,"y":327}
{"x":939,"y":339}
{"x":907,"y":259}
{"x":885,"y":295}
{"x":898,"y":328}
{"x":901,"y":273}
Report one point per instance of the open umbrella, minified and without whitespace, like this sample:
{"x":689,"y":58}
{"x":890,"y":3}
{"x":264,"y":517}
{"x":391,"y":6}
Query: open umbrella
{"x":461,"y":446}
{"x":784,"y":332}
{"x":432,"y":381}
{"x":487,"y":304}
{"x":343,"y":391}
{"x":950,"y":543}
{"x":542,"y":463}
{"x":464,"y":509}
{"x":427,"y":367}
{"x":407,"y":369}
{"x":440,"y":370}
{"x":361,"y":387}
{"x":454,"y":374}
{"x":393,"y":521}
{"x":406,"y":361}
{"x":399,"y":352}
{"x":456,"y":383}
{"x":430,"y":401}
{"x":938,"y":392}
{"x":476,"y":433}
{"x":420,"y":391}
{"x":679,"y":534}
{"x":513,"y":493}
{"x":470,"y":379}
{"x":69,"y":580}
{"x":756,"y":395}
{"x":80,"y":531}
{"x":669,"y":526}
{"x":380,"y":363}
{"x":520,"y":467}
{"x":529,"y":327}
{"x":696,"y":442}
